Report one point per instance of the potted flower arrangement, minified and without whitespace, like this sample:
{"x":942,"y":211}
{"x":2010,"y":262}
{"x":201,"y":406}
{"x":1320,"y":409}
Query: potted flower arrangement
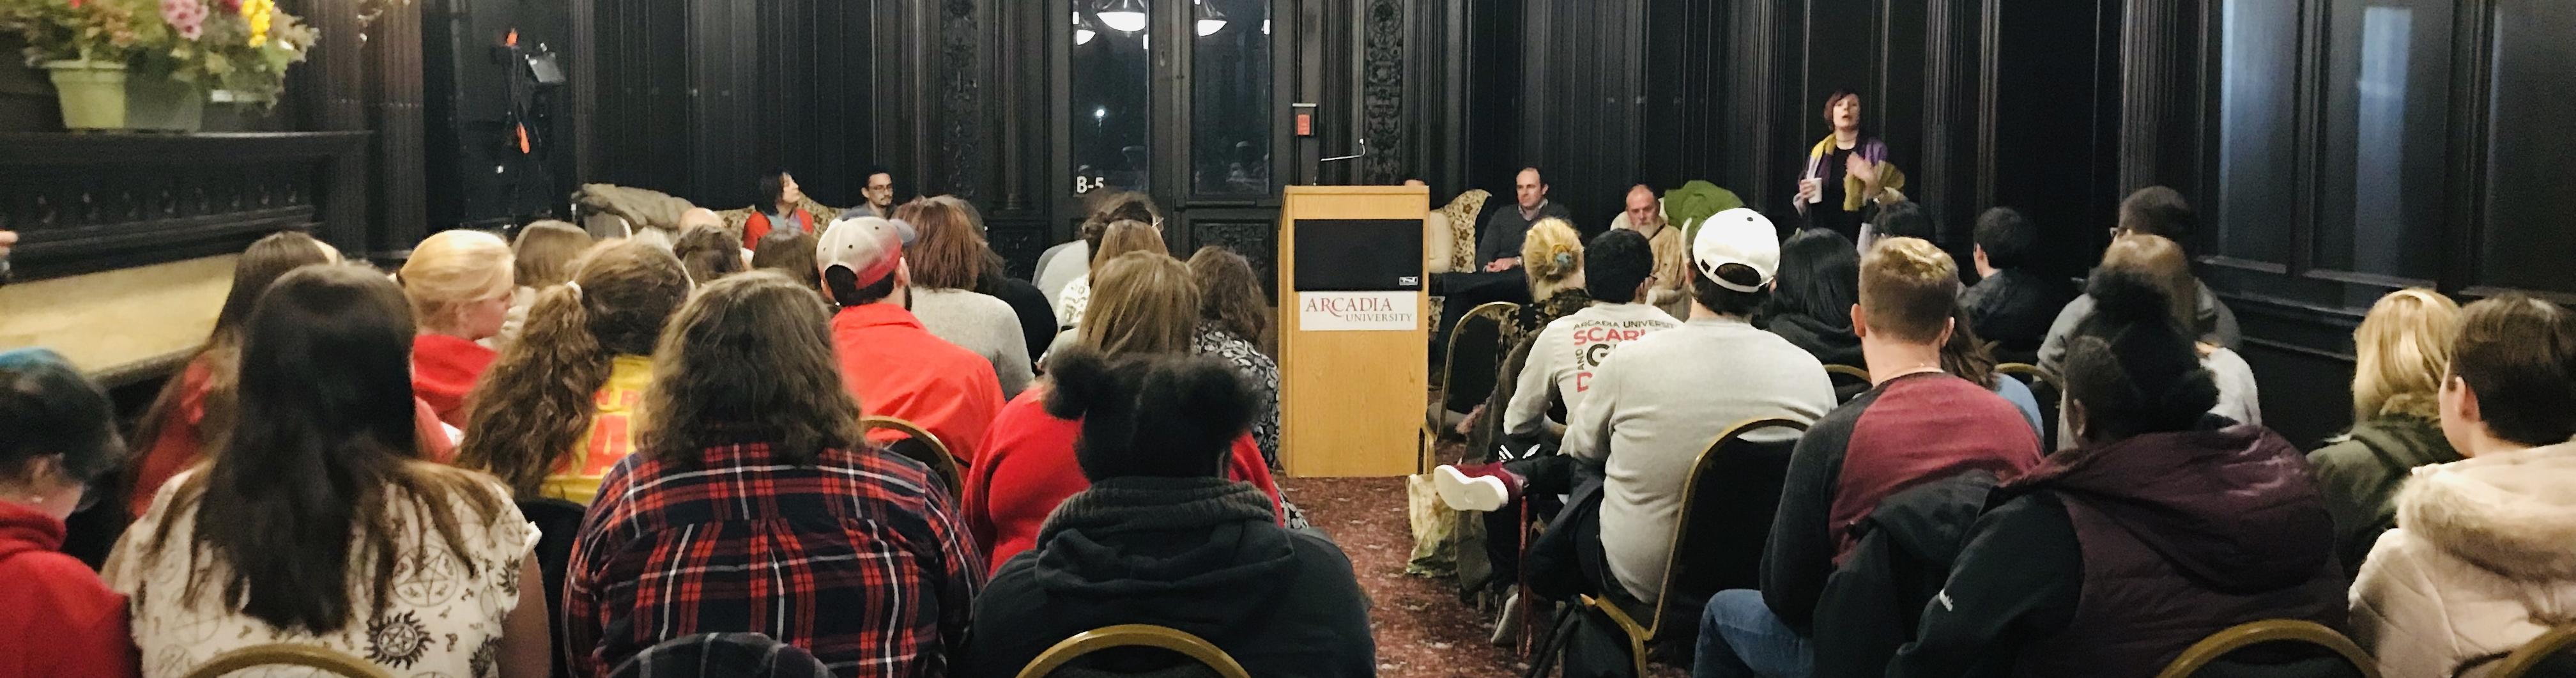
{"x":149,"y":64}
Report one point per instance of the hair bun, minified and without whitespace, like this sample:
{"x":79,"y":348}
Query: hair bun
{"x":1080,"y":379}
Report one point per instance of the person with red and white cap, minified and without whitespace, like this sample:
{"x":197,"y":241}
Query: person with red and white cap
{"x":1654,"y":405}
{"x":892,"y":364}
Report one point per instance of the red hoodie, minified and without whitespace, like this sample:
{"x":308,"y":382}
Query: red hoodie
{"x":178,"y":447}
{"x":1028,"y":468}
{"x":444,"y":369}
{"x":61,"y":620}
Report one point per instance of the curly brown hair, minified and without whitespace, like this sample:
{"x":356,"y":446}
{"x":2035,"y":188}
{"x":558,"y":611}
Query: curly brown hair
{"x":949,"y":253}
{"x":1109,"y":208}
{"x":749,"y":359}
{"x":708,"y":253}
{"x":539,"y":395}
{"x":1229,"y":293}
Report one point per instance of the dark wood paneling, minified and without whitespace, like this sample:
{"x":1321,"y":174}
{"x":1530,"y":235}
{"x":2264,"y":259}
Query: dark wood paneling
{"x":84,"y":203}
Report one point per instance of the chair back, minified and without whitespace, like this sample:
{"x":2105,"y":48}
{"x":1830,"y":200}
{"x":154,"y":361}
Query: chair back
{"x":558,"y":526}
{"x":1474,"y":354}
{"x":321,"y":659}
{"x":2543,"y":656}
{"x":921,"y":446}
{"x":722,"y":655}
{"x":1194,"y":648}
{"x":2044,"y":389}
{"x":1726,"y":516}
{"x":1849,"y":381}
{"x":2330,"y":652}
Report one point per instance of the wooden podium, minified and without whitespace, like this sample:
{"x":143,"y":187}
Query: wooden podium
{"x":1354,"y":330}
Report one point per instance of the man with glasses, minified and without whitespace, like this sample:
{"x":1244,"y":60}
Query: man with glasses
{"x":2154,"y":210}
{"x":879,"y":194}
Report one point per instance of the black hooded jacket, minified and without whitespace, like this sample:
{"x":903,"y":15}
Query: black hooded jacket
{"x":1872,"y":603}
{"x":1201,"y":555}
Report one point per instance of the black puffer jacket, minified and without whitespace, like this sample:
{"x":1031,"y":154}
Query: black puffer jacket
{"x":1872,"y":603}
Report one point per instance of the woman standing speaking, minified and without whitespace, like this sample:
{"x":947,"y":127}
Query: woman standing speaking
{"x":1842,"y":170}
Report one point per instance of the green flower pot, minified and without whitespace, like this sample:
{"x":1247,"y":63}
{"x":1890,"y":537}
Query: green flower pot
{"x":164,"y":105}
{"x":92,"y":93}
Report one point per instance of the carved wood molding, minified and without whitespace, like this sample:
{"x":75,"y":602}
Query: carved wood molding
{"x":84,"y":203}
{"x":1382,"y":93}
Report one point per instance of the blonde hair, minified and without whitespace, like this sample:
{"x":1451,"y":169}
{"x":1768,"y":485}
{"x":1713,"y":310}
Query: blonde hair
{"x":1551,"y":254}
{"x":2401,"y":351}
{"x":1908,"y":288}
{"x":1141,"y":302}
{"x":453,"y":268}
{"x":546,"y":249}
{"x":2162,"y":261}
{"x":1127,"y":235}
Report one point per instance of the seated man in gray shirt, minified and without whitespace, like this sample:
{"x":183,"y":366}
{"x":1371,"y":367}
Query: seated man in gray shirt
{"x":1654,"y":405}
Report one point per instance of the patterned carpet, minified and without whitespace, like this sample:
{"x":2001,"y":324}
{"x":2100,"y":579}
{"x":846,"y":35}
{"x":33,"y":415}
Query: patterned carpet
{"x":1422,"y":630}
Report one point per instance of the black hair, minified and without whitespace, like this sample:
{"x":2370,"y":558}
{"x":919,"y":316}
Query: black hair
{"x":1723,"y":301}
{"x":874,"y":170}
{"x":47,"y":408}
{"x":2133,"y":368}
{"x":1614,"y":263}
{"x":846,"y":291}
{"x":1149,"y":415}
{"x":1905,"y":219}
{"x":2007,"y":237}
{"x":2157,"y":210}
{"x":773,"y":185}
{"x":1819,"y":277}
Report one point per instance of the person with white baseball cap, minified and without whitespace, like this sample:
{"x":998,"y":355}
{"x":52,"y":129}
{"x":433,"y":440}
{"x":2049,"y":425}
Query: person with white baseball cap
{"x":1653,"y":405}
{"x":892,"y":364}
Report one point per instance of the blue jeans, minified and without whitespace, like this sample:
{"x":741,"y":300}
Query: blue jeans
{"x":1740,"y":638}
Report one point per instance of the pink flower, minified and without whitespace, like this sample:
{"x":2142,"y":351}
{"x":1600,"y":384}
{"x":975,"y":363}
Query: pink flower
{"x":188,"y":16}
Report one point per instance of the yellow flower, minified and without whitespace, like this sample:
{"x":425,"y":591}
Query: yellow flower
{"x":258,"y":12}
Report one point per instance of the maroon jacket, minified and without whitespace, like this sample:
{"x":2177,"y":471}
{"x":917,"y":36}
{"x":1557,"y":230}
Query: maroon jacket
{"x":2182,"y":535}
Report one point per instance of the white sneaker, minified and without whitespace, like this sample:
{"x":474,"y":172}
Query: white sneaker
{"x":1507,"y":625}
{"x":1462,"y":493}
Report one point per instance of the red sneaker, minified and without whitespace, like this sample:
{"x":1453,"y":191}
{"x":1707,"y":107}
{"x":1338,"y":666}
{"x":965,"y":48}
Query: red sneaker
{"x":1475,"y":487}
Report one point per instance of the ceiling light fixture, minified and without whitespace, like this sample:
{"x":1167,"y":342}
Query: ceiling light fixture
{"x":1124,"y":16}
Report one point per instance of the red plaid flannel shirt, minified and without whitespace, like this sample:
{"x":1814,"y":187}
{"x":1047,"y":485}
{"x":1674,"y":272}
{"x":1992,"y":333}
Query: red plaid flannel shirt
{"x":857,"y":558}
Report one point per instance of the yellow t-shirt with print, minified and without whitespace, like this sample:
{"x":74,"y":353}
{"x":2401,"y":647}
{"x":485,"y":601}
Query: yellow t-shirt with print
{"x":611,"y":436}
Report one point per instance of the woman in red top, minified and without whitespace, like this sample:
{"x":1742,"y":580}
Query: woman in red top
{"x":781,"y":209}
{"x":460,"y":283}
{"x":1141,"y":303}
{"x":57,"y":434}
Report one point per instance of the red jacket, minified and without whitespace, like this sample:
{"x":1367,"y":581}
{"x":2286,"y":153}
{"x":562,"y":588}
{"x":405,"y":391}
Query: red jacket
{"x":897,"y":369}
{"x":180,"y":442}
{"x":758,"y":226}
{"x":1029,"y":468}
{"x":61,"y":620}
{"x":444,"y":369}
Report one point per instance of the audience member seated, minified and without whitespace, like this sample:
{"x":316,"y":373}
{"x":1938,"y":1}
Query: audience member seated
{"x":321,"y":524}
{"x":2401,"y":352}
{"x":542,"y":256}
{"x":2110,"y":558}
{"x":1655,"y":405}
{"x":2157,"y":211}
{"x":1965,"y":356}
{"x":1915,"y":425}
{"x":57,"y":435}
{"x":1232,"y":315}
{"x":1064,"y":265}
{"x":947,"y":260}
{"x":896,"y":367}
{"x":1147,"y":304}
{"x":2481,"y":560}
{"x":755,"y":504}
{"x":559,"y":407}
{"x":781,"y":208}
{"x":1116,"y":238}
{"x":1164,"y":536}
{"x":1563,"y":354}
{"x":791,"y":254}
{"x":2161,"y":261}
{"x":1811,"y":304}
{"x":1898,"y":219}
{"x":1552,"y":263}
{"x":460,"y":286}
{"x":1036,"y":313}
{"x":2012,"y":304}
{"x":709,"y":253}
{"x":194,"y":412}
